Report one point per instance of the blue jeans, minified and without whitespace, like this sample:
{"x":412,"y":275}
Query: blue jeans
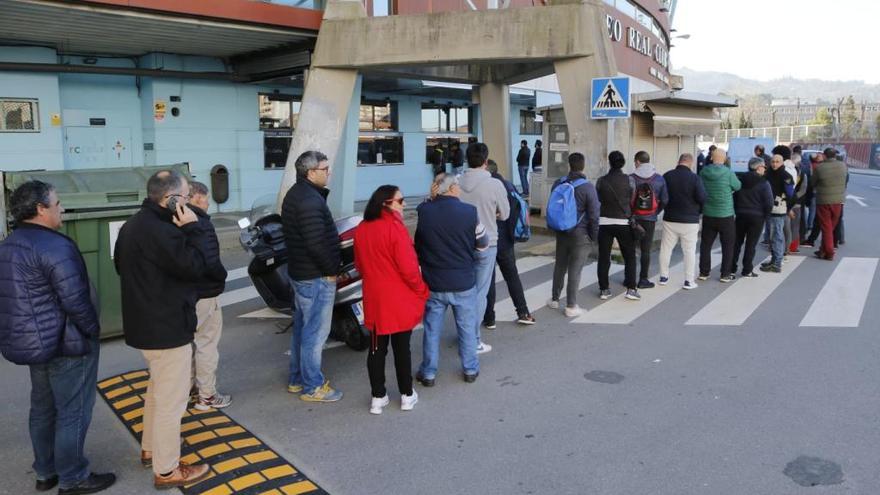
{"x":776,"y":226}
{"x":524,"y":180}
{"x":312,"y":315}
{"x":485,"y":266}
{"x":62,"y":399}
{"x":464,"y":310}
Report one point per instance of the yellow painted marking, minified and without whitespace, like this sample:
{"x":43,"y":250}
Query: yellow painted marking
{"x":196,"y":412}
{"x":189,"y":426}
{"x":134,"y":413}
{"x":216,"y":449}
{"x":246,"y":481}
{"x":110,"y":382}
{"x":299,"y":487}
{"x":222,"y":467}
{"x":190,"y":458}
{"x":261,"y":456}
{"x":200,"y":437}
{"x":232,"y":430}
{"x":119,"y":391}
{"x":219,"y":490}
{"x":126,"y":402}
{"x":135,"y":374}
{"x":279,"y":471}
{"x":215,"y":421}
{"x":138,"y":427}
{"x":244,"y":443}
{"x":140,"y":385}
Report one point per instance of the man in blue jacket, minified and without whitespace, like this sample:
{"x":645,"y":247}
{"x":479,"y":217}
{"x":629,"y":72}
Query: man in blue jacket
{"x":448,"y":236}
{"x":48,"y":321}
{"x":681,"y":222}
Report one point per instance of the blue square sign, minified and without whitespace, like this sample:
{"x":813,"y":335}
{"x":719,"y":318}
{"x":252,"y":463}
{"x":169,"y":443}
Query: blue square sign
{"x":610,"y":98}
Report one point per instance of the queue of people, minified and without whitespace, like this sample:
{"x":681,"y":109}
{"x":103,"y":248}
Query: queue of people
{"x":167,"y":255}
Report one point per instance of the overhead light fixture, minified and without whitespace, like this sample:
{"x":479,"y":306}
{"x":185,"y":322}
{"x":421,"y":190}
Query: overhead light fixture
{"x":90,"y":60}
{"x":448,"y":85}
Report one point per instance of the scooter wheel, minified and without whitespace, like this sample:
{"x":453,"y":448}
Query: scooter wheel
{"x":354,"y":335}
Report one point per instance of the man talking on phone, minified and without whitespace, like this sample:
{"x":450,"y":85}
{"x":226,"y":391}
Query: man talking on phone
{"x":160,"y":254}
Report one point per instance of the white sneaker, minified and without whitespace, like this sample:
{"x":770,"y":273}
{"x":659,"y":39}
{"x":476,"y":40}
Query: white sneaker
{"x":689,"y":285}
{"x":573,"y":311}
{"x":553,"y":304}
{"x":407,"y":402}
{"x":483,"y":348}
{"x":378,"y":403}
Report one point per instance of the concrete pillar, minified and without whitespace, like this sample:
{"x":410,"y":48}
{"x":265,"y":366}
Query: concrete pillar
{"x":495,"y":124}
{"x":593,"y":138}
{"x":323,"y":115}
{"x":343,"y":170}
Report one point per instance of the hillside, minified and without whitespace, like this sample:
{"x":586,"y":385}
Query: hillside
{"x":806,"y":89}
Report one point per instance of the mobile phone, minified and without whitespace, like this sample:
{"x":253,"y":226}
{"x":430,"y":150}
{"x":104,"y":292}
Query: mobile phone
{"x":172,"y":204}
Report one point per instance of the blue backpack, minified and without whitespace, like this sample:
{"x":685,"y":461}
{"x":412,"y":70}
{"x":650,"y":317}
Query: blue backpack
{"x":522,"y":232}
{"x":562,"y":214}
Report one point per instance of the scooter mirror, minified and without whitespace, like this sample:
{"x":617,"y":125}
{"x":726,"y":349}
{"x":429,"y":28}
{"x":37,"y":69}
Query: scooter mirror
{"x":244,"y":223}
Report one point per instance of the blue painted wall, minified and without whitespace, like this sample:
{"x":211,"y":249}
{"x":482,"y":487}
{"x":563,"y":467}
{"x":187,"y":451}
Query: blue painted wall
{"x":218,"y":123}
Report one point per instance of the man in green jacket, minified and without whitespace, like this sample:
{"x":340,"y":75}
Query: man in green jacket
{"x":720,"y":183}
{"x":830,"y":187}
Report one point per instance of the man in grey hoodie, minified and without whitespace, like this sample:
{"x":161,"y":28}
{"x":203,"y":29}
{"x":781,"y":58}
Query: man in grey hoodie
{"x":650,"y":199}
{"x":488,"y":195}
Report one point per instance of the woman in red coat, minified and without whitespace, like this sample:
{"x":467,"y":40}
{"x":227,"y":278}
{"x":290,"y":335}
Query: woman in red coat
{"x":394,"y":292}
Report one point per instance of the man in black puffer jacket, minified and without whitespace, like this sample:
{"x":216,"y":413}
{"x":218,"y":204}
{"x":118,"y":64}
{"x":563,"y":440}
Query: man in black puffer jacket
{"x":209,"y":316}
{"x":752,"y":205}
{"x":313,"y":258}
{"x":160,"y":255}
{"x":49,"y":322}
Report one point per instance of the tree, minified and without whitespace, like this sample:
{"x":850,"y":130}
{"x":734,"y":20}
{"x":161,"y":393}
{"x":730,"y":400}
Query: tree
{"x":744,"y":122}
{"x":877,"y":127}
{"x":849,"y":119}
{"x":727,"y":124}
{"x":823,"y":117}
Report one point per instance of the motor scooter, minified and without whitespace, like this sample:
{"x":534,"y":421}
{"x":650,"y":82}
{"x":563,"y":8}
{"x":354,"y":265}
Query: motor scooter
{"x":262,"y":236}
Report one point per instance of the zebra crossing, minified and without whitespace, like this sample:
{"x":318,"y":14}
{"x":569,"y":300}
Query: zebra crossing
{"x":837,"y":302}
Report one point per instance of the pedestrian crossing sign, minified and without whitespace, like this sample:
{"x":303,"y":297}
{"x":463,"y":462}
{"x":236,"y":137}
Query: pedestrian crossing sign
{"x":610,"y":98}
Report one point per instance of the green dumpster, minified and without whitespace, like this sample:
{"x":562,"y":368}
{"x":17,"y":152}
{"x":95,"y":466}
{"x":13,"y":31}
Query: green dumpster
{"x":97,"y":202}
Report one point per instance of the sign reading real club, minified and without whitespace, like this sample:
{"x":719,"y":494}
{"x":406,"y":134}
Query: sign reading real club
{"x":610,"y":98}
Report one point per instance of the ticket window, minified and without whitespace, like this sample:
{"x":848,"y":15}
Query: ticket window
{"x":278,"y":119}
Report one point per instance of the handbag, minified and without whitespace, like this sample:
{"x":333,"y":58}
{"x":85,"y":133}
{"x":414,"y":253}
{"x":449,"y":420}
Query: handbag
{"x":638,"y":232}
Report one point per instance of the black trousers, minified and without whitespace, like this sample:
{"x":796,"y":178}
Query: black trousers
{"x":645,"y":245}
{"x":402,"y":362}
{"x":717,"y":227}
{"x":506,"y":259}
{"x":623,"y":234}
{"x":748,"y":231}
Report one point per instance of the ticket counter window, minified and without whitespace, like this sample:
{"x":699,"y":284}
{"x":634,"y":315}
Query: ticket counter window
{"x":278,"y":119}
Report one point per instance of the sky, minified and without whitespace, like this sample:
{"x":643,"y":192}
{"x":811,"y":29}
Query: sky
{"x":770,"y":39}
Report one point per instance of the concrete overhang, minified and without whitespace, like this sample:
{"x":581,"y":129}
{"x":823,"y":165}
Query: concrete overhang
{"x":507,"y":45}
{"x":128,"y":28}
{"x":687,"y":98}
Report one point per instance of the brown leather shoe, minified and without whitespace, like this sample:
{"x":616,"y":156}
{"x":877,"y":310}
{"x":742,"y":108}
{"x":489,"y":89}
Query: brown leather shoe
{"x":184,"y":474}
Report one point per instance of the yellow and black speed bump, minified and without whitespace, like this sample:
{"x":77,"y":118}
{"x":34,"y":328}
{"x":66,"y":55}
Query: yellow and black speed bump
{"x":240,"y":462}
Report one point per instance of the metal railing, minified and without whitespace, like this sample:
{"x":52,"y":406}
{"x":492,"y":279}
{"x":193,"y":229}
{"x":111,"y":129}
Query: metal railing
{"x":783,"y":134}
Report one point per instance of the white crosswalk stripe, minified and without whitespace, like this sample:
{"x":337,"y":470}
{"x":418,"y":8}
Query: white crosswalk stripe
{"x":236,"y":274}
{"x":840,"y":302}
{"x":842,"y":299}
{"x":743,"y":297}
{"x":238,"y":295}
{"x":620,"y":310}
{"x":537,"y":296}
{"x":526,"y":264}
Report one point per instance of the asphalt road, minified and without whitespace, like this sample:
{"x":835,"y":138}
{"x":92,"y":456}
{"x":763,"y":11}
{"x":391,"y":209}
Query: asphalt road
{"x":673,"y":400}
